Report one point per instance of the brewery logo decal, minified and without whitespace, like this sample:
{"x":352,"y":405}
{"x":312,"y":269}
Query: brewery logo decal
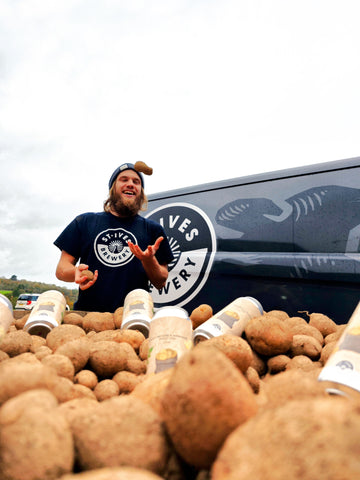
{"x":192,"y":240}
{"x":111,"y":247}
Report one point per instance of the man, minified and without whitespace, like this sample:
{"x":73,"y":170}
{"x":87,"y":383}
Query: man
{"x":123,"y":249}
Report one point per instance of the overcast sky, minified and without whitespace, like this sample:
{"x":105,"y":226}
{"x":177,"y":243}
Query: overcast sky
{"x":199,"y":90}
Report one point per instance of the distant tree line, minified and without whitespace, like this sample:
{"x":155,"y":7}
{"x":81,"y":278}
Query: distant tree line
{"x":12,"y":288}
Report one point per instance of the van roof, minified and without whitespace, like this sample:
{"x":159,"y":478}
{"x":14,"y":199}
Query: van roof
{"x":260,"y":177}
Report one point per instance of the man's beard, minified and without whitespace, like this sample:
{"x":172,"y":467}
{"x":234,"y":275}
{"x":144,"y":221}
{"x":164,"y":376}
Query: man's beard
{"x":125,"y":209}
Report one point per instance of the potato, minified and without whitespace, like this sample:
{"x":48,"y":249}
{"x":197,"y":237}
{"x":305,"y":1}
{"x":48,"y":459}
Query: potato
{"x":205,"y":399}
{"x":127,"y":381}
{"x":106,"y":389}
{"x":235,"y":348}
{"x":268,"y":335}
{"x":200,"y":314}
{"x":305,"y":345}
{"x":114,"y":473}
{"x":88,"y":274}
{"x":151,"y":388}
{"x":78,"y":351}
{"x":323,"y":323}
{"x":143,"y":168}
{"x":35,"y":441}
{"x":73,"y":318}
{"x":14,"y":343}
{"x":61,"y":364}
{"x":118,"y":317}
{"x":121,"y":431}
{"x":107,"y":358}
{"x":98,"y":321}
{"x":63,"y":334}
{"x":86,"y":378}
{"x":303,"y":439}
{"x":277,"y":363}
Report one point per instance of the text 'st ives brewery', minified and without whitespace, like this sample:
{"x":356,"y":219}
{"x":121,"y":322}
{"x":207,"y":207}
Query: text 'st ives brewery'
{"x":48,"y":313}
{"x":192,"y":240}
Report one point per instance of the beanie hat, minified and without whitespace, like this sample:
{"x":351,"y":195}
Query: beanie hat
{"x":125,"y":166}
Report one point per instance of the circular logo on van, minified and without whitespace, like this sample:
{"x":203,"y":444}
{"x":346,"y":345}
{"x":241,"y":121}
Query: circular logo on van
{"x":192,"y":240}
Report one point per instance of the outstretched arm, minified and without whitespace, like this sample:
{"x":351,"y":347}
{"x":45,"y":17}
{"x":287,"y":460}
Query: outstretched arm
{"x":67,"y":271}
{"x":156,"y":272}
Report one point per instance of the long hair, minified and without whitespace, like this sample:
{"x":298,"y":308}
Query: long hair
{"x":109,"y":202}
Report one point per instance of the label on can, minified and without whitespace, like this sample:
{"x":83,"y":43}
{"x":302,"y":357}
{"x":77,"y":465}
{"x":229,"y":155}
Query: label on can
{"x":231,"y":319}
{"x":138,"y":311}
{"x":343,"y":365}
{"x":170,"y":336}
{"x":48,"y":312}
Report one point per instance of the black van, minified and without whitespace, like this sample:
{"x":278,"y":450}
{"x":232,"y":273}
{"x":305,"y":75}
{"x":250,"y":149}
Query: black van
{"x":288,"y":238}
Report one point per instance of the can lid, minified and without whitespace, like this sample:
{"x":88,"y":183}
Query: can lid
{"x":257,"y":303}
{"x":170,"y":312}
{"x":39,"y":329}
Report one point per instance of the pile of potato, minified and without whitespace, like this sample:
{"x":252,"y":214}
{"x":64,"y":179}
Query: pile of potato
{"x":79,"y":404}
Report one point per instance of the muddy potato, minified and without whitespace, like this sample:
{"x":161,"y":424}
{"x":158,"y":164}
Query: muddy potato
{"x":87,"y":378}
{"x":42,"y":352}
{"x":98,"y":321}
{"x":24,"y":376}
{"x":106,"y":389}
{"x":132,"y":337}
{"x":253,"y":378}
{"x":121,"y":431}
{"x":200,"y":314}
{"x":205,"y":399}
{"x":16,"y":342}
{"x":144,"y":350}
{"x":37,"y":342}
{"x":107,"y":357}
{"x":35,"y":441}
{"x":235,"y":348}
{"x":268,"y":335}
{"x":78,"y":351}
{"x":61,"y":364}
{"x":73,"y":318}
{"x":20,"y":322}
{"x":118,"y":317}
{"x":27,"y":357}
{"x":88,"y":274}
{"x":151,"y":388}
{"x":280,"y":314}
{"x":277,"y":363}
{"x":3,"y":356}
{"x":302,"y":362}
{"x":63,"y":334}
{"x":142,"y":167}
{"x":305,"y":345}
{"x":307,"y":439}
{"x":326,"y":351}
{"x":323,"y":323}
{"x":127,"y":381}
{"x":115,"y":473}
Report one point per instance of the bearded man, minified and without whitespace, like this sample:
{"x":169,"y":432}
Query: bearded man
{"x":123,"y":249}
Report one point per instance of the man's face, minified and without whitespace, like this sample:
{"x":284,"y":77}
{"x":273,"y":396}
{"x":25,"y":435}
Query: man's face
{"x":127,"y":193}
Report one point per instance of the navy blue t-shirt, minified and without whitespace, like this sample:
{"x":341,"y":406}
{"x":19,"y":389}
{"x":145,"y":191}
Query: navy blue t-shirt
{"x":100,"y":241}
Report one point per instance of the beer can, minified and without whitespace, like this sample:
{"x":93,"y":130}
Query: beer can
{"x":232,"y":319}
{"x":6,"y":315}
{"x":341,"y":373}
{"x":170,"y":336}
{"x":47,"y":313}
{"x":138,"y":311}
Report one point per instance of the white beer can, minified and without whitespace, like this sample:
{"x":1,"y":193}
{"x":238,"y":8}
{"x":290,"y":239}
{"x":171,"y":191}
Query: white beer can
{"x":232,"y":319}
{"x":47,"y":313}
{"x":342,"y":369}
{"x":170,"y":336}
{"x":6,"y":315}
{"x":138,"y":311}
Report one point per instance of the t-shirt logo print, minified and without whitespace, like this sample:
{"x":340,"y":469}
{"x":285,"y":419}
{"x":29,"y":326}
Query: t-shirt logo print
{"x":111,"y":247}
